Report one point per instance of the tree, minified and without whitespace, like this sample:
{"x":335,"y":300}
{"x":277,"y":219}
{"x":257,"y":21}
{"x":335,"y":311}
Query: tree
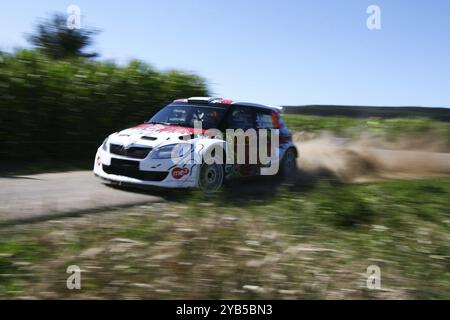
{"x":57,"y":41}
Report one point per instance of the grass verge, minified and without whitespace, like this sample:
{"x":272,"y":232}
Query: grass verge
{"x":310,"y":242}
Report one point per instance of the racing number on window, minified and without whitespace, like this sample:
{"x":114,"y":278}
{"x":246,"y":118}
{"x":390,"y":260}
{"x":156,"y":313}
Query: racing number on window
{"x":241,"y":118}
{"x":267,"y":120}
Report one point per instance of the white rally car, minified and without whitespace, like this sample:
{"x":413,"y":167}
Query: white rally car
{"x":160,"y":152}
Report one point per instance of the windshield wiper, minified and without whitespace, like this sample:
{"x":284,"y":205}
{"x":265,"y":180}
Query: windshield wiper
{"x":178,"y":124}
{"x":158,"y":122}
{"x":168,"y":123}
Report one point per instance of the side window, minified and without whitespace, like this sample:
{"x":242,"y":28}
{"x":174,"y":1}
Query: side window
{"x":264,"y":120}
{"x":241,"y":118}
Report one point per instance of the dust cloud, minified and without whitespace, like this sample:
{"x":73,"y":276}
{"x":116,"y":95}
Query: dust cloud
{"x":371,"y":158}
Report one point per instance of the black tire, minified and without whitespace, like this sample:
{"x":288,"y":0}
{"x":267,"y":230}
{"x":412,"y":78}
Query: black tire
{"x":288,"y":167}
{"x":211,"y":177}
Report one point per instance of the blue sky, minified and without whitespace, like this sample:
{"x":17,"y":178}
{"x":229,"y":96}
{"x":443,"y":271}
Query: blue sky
{"x":276,"y":52}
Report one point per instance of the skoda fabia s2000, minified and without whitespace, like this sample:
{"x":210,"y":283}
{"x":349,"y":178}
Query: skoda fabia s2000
{"x":199,"y":142}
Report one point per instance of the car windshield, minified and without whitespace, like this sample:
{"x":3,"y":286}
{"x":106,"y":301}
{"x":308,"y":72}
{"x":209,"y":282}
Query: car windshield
{"x":186,"y":115}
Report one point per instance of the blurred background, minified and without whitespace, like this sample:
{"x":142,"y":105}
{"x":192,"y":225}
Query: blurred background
{"x":368,"y":109}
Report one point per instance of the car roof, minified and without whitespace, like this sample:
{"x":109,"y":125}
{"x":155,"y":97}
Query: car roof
{"x":212,"y":101}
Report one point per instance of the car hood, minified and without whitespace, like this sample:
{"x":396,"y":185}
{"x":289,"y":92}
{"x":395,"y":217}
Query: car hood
{"x":154,"y":135}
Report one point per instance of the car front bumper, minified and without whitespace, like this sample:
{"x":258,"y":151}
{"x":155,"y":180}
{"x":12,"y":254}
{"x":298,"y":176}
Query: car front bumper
{"x":164,"y":173}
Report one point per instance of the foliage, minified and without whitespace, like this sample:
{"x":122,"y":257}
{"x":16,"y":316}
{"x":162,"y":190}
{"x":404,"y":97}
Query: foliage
{"x":57,"y":41}
{"x":353,"y":127}
{"x":64,"y":109}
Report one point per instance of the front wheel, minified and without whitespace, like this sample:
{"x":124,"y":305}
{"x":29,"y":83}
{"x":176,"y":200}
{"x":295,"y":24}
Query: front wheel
{"x":211,"y":177}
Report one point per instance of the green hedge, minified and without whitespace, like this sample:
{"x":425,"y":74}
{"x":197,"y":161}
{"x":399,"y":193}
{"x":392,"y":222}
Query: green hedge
{"x":64,"y":109}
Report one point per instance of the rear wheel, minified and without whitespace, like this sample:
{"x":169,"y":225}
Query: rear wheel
{"x":211,"y":177}
{"x":288,"y":167}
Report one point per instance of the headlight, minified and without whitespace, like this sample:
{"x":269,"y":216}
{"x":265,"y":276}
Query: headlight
{"x":172,"y":151}
{"x":105,"y":144}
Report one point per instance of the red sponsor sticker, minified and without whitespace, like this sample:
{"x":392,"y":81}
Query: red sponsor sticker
{"x":179,"y":173}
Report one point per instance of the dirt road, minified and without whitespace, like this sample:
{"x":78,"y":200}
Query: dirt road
{"x":51,"y":194}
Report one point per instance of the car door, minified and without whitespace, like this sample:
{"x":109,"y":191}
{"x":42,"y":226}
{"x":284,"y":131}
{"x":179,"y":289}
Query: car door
{"x":266,"y":119}
{"x":242,"y":117}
